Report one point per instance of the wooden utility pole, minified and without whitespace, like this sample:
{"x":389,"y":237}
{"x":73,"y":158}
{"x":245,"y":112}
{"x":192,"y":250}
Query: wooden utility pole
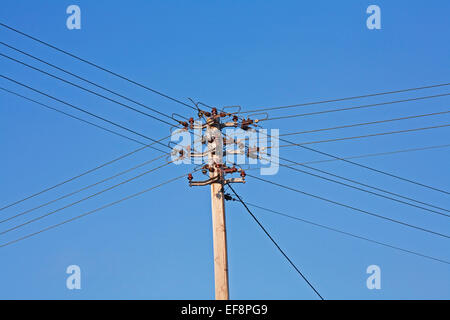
{"x":217,"y":171}
{"x":215,"y":156}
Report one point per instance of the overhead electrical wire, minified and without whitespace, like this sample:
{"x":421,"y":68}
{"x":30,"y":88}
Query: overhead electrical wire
{"x":351,"y":207}
{"x":368,"y":155}
{"x":366,"y":185}
{"x":357,"y":164}
{"x":105,"y":164}
{"x":362,"y":184}
{"x":85,"y":111}
{"x":83,"y":199}
{"x":189,"y":106}
{"x":184,"y":103}
{"x":375,"y":188}
{"x":72,"y":116}
{"x":173,"y":99}
{"x":95,"y":93}
{"x":356,"y":107}
{"x":85,"y":80}
{"x":361,"y":124}
{"x":80,"y":190}
{"x":87,"y":172}
{"x":371,"y":192}
{"x":360,"y":165}
{"x":365,"y":123}
{"x":343,"y":232}
{"x":89,"y":212}
{"x":97,"y":66}
{"x":317,"y":102}
{"x":363,"y":166}
{"x":88,"y":90}
{"x":150,"y":89}
{"x":41,"y":60}
{"x":363,"y":136}
{"x":347,"y":98}
{"x":276,"y":244}
{"x":372,"y":169}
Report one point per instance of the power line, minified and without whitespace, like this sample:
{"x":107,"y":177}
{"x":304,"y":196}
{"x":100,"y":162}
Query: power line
{"x":367,"y":167}
{"x":362,"y":184}
{"x":275,"y":243}
{"x":84,"y":173}
{"x":79,"y":175}
{"x":334,"y":100}
{"x":403,"y":118}
{"x":93,"y":92}
{"x":375,"y":170}
{"x":356,"y":107}
{"x":82,"y":189}
{"x":63,"y":70}
{"x":364,"y":136}
{"x":347,"y":98}
{"x":83,"y":199}
{"x":344,"y":232}
{"x":85,"y":89}
{"x":375,"y":188}
{"x":71,"y":116}
{"x":87,"y":112}
{"x":96,"y":66}
{"x":364,"y":166}
{"x":304,"y":164}
{"x":88,"y":90}
{"x":101,"y":68}
{"x":368,"y":191}
{"x":359,"y":124}
{"x":85,"y":80}
{"x":350,"y":207}
{"x":379,"y":189}
{"x":365,"y":123}
{"x":360,"y":165}
{"x":368,"y":155}
{"x":89,"y":212}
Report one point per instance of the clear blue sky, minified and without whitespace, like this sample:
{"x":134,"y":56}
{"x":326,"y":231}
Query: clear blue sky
{"x":249,"y":53}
